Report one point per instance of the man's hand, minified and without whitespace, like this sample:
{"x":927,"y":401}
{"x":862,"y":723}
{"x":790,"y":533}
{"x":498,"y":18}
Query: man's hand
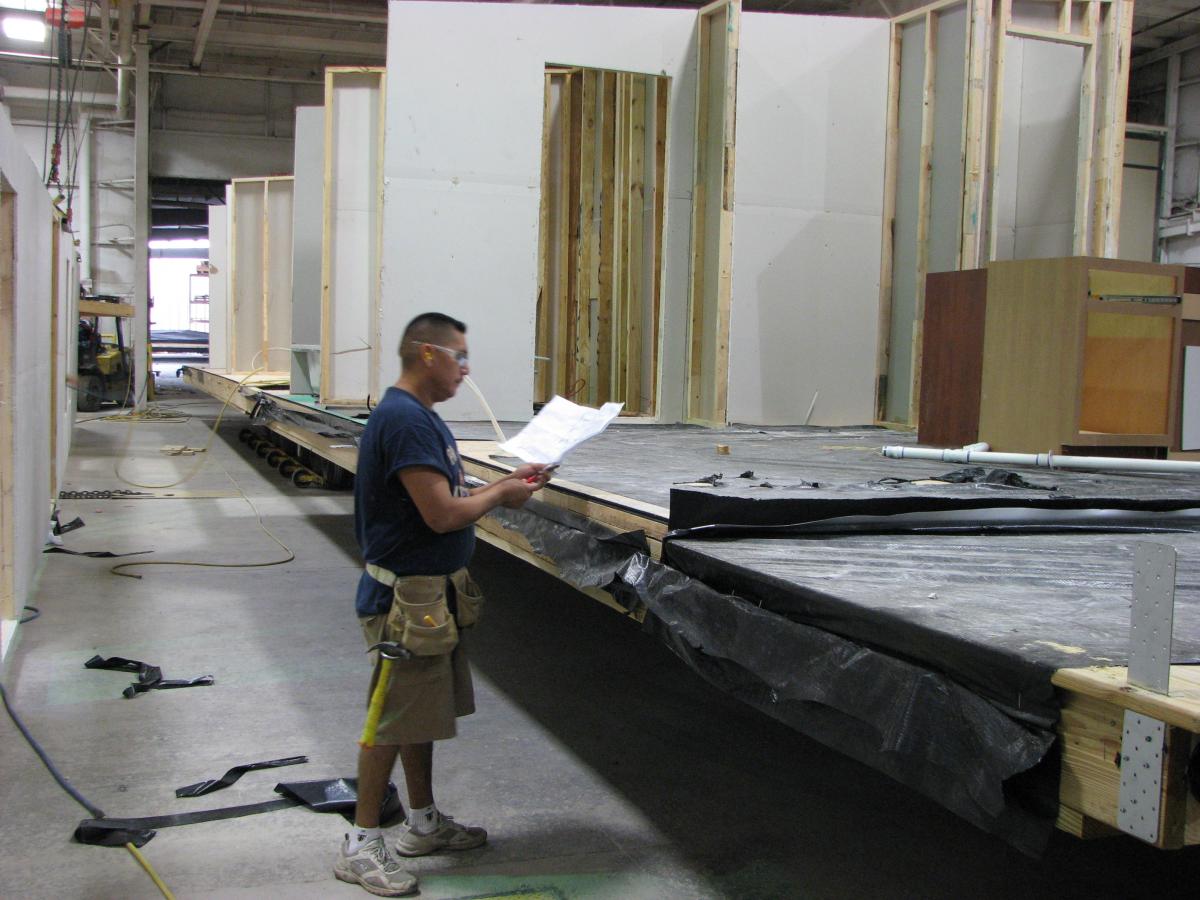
{"x":536,"y":474}
{"x":515,"y":492}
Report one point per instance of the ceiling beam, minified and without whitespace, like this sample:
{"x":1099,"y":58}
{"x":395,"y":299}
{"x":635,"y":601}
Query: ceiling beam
{"x":202,"y":30}
{"x":250,"y":40}
{"x":1180,"y":46}
{"x":358,"y":14}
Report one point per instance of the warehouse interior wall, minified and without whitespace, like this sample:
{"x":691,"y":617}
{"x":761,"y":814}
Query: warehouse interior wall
{"x":811,"y":113}
{"x":36,"y":294}
{"x":309,"y":169}
{"x":462,"y":174}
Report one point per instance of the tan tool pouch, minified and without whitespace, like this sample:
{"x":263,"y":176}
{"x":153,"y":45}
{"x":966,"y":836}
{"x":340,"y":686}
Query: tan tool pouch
{"x":468,"y":598}
{"x":419,"y":618}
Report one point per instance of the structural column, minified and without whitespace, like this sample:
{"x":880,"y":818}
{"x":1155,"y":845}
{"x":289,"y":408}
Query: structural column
{"x":141,"y":217}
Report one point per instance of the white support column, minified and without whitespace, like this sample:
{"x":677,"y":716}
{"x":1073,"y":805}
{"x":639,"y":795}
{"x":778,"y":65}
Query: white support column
{"x":82,"y":226}
{"x":141,"y":217}
{"x":1171,"y":120}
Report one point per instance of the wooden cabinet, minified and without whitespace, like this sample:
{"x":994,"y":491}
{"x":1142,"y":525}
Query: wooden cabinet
{"x":1066,"y":354}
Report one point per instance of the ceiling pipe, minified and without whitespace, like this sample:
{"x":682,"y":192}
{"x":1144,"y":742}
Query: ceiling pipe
{"x":1046,"y":460}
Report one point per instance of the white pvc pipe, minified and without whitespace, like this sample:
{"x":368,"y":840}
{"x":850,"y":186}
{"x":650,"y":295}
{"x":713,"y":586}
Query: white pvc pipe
{"x":1044,"y":460}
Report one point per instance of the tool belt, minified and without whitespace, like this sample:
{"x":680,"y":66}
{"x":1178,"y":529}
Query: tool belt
{"x":428,"y":610}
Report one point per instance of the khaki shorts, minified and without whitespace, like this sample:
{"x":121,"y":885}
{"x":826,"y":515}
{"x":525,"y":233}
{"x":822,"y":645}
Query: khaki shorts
{"x":425,"y":694}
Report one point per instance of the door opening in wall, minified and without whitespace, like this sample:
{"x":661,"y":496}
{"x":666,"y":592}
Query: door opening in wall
{"x":601,"y":235}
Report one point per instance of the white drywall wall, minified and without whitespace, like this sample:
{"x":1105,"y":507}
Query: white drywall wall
{"x":352,"y":222}
{"x":811,"y":110}
{"x":1039,"y":143}
{"x":29,"y":390}
{"x":218,"y":286}
{"x":279,"y":274}
{"x":309,"y":170}
{"x":246,"y":276}
{"x":462,"y":174}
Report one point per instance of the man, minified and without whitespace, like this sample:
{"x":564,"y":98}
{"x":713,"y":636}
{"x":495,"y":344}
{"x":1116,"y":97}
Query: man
{"x":413,"y":516}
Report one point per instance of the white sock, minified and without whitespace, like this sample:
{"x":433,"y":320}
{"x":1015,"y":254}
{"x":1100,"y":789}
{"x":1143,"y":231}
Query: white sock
{"x":423,"y":821}
{"x":359,"y":836}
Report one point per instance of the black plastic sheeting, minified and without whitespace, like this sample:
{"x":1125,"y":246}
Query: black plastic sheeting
{"x":916,"y":725}
{"x":784,"y":504}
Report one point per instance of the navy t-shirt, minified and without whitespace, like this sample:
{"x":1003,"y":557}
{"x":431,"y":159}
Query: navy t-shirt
{"x":401,"y":433}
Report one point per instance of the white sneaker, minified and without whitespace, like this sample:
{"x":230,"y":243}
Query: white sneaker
{"x":448,"y":835}
{"x":373,"y":867}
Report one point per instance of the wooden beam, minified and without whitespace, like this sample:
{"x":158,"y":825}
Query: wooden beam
{"x":888,"y":239}
{"x":1053,"y":37}
{"x":635,"y":276}
{"x":605,"y":295}
{"x":1113,"y":86}
{"x":661,"y":93}
{"x":569,"y":310}
{"x":541,"y":384}
{"x":621,"y":201}
{"x":1001,"y":19}
{"x":581,"y":311}
{"x":561,"y":353}
{"x":266,"y":275}
{"x":924,"y":188}
{"x":104,"y":308}
{"x":1081,"y":242}
{"x":974,"y":120}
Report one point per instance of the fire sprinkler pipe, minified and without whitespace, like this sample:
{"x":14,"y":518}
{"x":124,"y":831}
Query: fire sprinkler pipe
{"x":967,"y":456}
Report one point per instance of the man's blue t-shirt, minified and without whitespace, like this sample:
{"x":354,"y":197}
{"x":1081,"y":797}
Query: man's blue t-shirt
{"x":401,"y":433}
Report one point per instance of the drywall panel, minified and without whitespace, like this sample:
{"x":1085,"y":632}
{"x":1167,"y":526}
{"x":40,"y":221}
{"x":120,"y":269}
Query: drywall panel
{"x":218,"y":285}
{"x":1040,"y":134}
{"x":309,"y":170}
{"x":904,"y":246}
{"x":811,"y":101}
{"x":946,"y":175}
{"x":352,"y":223}
{"x":462,"y":174}
{"x":1139,"y":199}
{"x":246,"y":346}
{"x":26,"y":475}
{"x":278,"y":280}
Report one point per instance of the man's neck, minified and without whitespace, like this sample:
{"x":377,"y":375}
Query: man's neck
{"x":413,"y":387}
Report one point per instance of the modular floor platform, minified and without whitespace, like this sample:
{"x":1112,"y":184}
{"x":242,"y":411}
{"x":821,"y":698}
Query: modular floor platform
{"x":985,"y":670}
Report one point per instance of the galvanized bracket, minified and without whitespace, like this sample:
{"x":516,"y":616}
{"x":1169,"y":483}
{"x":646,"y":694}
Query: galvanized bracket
{"x":1144,"y":738}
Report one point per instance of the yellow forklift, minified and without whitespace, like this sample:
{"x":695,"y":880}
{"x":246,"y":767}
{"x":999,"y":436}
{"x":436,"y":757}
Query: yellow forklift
{"x":105,"y":360}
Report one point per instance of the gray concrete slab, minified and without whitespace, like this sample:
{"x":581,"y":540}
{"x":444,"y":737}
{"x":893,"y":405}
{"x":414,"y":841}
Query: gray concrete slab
{"x":602,"y":767}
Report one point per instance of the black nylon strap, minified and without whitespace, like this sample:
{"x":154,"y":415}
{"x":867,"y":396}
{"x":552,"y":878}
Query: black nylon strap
{"x":200,"y":788}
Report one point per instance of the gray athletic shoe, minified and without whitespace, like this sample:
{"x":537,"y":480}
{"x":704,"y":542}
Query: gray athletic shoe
{"x":374,"y":868}
{"x":449,"y":835}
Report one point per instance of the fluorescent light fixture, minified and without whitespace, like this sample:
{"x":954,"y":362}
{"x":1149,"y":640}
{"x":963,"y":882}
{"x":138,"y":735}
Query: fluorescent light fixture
{"x":33,"y":6}
{"x":180,"y":244}
{"x":20,"y":28}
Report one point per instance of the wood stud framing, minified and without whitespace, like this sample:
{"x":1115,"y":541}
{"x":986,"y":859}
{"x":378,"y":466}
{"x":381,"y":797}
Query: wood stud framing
{"x":599,"y":276}
{"x":710,"y":296}
{"x":1102,"y":29}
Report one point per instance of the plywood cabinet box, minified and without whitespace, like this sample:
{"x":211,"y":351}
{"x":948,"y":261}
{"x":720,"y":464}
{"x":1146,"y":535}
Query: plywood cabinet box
{"x":1064,"y":355}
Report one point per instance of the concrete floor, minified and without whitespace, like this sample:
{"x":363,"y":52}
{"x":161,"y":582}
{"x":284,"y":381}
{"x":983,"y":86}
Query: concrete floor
{"x":600,"y":765}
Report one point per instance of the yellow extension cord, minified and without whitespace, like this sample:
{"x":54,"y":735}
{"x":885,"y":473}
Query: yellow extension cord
{"x":202,"y":458}
{"x":145,"y":864}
